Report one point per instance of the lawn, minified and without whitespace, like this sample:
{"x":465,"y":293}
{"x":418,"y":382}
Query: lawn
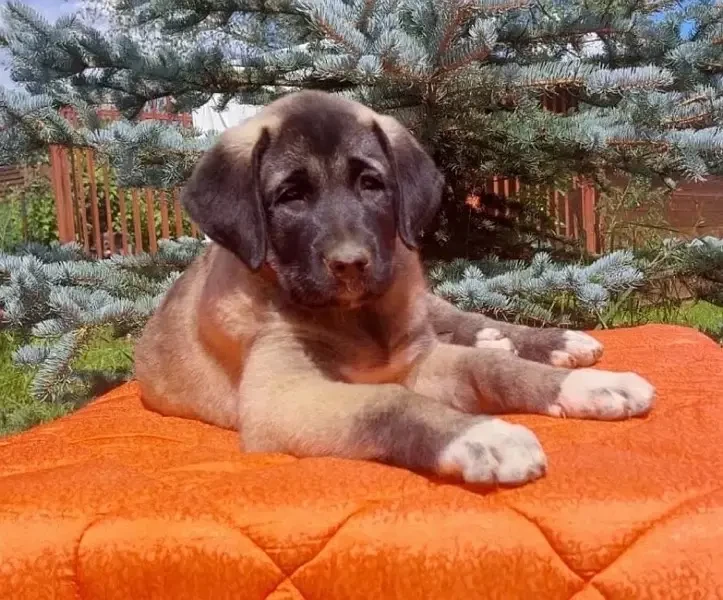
{"x":19,"y":410}
{"x":701,"y":315}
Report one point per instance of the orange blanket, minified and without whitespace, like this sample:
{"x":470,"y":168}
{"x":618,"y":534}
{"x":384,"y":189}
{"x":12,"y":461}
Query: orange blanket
{"x":117,"y":502}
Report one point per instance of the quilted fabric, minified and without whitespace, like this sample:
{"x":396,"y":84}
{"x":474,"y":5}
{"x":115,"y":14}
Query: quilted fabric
{"x":117,"y":502}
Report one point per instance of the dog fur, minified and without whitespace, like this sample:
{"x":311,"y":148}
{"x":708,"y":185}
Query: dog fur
{"x":308,"y":326}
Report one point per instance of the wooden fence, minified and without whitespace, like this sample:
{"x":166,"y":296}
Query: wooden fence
{"x":572,"y":211}
{"x":12,"y":176}
{"x":106,"y":219}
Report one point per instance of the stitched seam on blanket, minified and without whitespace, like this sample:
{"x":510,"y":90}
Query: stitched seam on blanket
{"x":225,"y":519}
{"x":588,"y":584}
{"x":76,"y":556}
{"x":228,"y":522}
{"x":536,"y":525}
{"x":220,"y":518}
{"x":323,"y":547}
{"x":667,"y":516}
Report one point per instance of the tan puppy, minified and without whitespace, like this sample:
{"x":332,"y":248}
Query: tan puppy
{"x":307,"y":325}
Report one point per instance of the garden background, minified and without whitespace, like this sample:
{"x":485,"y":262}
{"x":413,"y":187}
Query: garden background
{"x":580,"y":140}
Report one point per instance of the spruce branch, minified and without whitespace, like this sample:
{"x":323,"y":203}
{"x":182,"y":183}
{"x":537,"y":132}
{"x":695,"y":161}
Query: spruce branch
{"x":61,"y":299}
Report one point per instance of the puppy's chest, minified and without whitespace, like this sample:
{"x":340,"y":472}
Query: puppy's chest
{"x":374,"y":352}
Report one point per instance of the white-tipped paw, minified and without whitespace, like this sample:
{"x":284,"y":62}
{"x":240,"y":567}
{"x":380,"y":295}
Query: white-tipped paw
{"x":493,"y":339}
{"x":494,"y":451}
{"x":578,"y":350}
{"x":603,"y":395}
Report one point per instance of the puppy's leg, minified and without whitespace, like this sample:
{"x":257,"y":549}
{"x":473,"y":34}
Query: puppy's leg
{"x":288,"y":405}
{"x":550,"y":345}
{"x":494,"y":381}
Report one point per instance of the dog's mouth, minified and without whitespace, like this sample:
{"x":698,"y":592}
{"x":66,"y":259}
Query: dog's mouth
{"x":343,"y":299}
{"x":354,"y":299}
{"x":310,"y":292}
{"x":336,"y":297}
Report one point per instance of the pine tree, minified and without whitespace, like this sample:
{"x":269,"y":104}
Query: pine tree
{"x":59,"y":299}
{"x":467,"y":76}
{"x":540,"y":292}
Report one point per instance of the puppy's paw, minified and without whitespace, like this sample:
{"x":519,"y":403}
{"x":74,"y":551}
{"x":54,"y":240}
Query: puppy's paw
{"x":493,"y":451}
{"x":493,"y":339}
{"x":557,"y":347}
{"x":576,"y":349}
{"x":603,"y":395}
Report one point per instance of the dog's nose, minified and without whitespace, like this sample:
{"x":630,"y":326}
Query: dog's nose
{"x":347,"y":261}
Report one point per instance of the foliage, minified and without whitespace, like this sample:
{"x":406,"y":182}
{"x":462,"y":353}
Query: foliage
{"x":699,"y":314}
{"x":19,"y":410}
{"x":27,"y":212}
{"x":589,"y":294}
{"x":698,"y":264}
{"x":541,"y":292}
{"x":11,"y":224}
{"x":58,"y":298}
{"x":632,"y":214}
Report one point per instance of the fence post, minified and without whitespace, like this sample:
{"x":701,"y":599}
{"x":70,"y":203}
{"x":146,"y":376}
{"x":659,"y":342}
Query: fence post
{"x":61,"y":199}
{"x":77,"y":167}
{"x":94,"y":210}
{"x":108,"y":211}
{"x":138,"y":234}
{"x":589,"y":225}
{"x":151,"y":221}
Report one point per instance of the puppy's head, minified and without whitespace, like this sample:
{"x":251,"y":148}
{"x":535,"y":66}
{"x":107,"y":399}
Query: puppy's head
{"x":320,"y":189}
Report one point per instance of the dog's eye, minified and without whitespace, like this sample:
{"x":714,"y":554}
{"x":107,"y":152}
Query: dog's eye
{"x":370,"y":183}
{"x":291,"y":194}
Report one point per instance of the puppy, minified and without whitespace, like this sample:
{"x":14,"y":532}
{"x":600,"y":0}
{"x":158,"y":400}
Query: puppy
{"x":308,"y":326}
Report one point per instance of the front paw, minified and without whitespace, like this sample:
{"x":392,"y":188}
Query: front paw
{"x":558,"y":347}
{"x":493,"y":451}
{"x":491,"y":338}
{"x":603,"y":395}
{"x":578,"y":350}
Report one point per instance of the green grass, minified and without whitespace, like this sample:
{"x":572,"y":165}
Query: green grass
{"x":20,"y":411}
{"x":700,"y":315}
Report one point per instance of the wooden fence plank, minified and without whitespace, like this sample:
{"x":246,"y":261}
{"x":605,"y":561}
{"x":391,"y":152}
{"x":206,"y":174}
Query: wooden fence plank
{"x":138,"y":235}
{"x":151,"y":216}
{"x":568,"y":215}
{"x":123,"y":217}
{"x":67,"y":192}
{"x":94,"y":211}
{"x":577,"y":206}
{"x":61,"y":215}
{"x":165,"y":226}
{"x":108,"y":211}
{"x":177,"y":212}
{"x":588,"y":216}
{"x":77,"y":168}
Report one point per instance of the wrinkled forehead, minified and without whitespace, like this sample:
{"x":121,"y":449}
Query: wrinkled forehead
{"x":323,"y":142}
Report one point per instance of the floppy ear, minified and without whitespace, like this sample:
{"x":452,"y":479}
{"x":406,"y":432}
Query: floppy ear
{"x":419,"y":181}
{"x":223,"y":197}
